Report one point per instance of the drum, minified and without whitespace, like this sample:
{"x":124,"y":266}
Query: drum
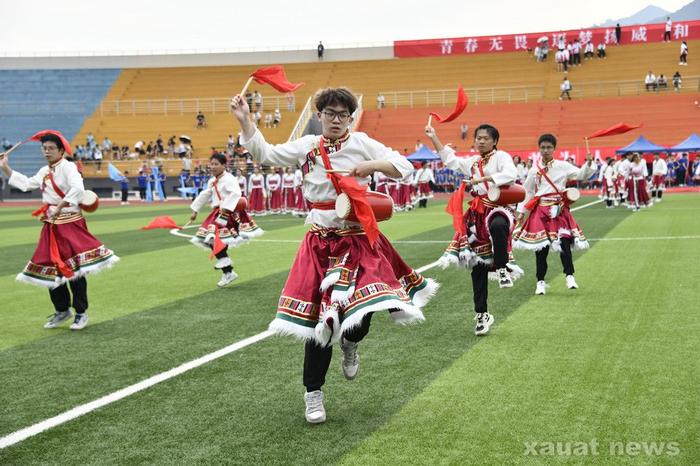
{"x":382,"y":205}
{"x":90,"y":201}
{"x":572,"y":194}
{"x":506,"y":195}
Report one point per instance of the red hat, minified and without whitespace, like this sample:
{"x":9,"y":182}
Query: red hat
{"x":64,"y":141}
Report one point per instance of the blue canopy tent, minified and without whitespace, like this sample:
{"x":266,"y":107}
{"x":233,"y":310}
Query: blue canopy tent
{"x":641,"y":145}
{"x":423,"y":155}
{"x":692,"y":144}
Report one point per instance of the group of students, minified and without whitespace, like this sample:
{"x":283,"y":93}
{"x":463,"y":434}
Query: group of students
{"x":624,"y":181}
{"x":345,"y":270}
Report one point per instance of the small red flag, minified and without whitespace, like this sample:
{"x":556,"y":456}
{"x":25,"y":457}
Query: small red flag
{"x":455,"y":207}
{"x":163,"y":221}
{"x":462,"y":101}
{"x":619,"y":128}
{"x":360,"y":206}
{"x":218,"y":245}
{"x":66,"y":144}
{"x":275,"y":77}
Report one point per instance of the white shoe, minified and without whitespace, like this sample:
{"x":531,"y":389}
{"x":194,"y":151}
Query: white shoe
{"x":541,"y":287}
{"x":80,"y":321}
{"x":484,"y":321}
{"x":351,"y":359}
{"x":571,"y":282}
{"x":223,"y":262}
{"x":58,"y":318}
{"x":227,"y":278}
{"x":315,"y":412}
{"x":504,"y":278}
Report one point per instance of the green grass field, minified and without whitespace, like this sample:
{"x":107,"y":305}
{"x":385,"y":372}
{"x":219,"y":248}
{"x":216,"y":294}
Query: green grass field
{"x":604,"y":374}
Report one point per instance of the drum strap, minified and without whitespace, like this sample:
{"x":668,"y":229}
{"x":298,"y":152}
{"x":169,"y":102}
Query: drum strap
{"x":55,"y":186}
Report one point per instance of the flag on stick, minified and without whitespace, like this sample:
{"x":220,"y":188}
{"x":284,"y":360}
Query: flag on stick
{"x":462,"y":102}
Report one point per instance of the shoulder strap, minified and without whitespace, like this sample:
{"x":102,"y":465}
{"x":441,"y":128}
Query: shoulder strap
{"x":543,"y":174}
{"x":328,"y":166}
{"x":55,"y":186}
{"x":216,"y":189}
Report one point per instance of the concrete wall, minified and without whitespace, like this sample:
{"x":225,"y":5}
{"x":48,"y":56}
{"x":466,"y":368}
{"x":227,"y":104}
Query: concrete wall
{"x":196,"y":59}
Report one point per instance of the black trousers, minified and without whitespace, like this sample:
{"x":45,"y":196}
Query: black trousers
{"x":125,"y":195}
{"x":498,"y":227}
{"x":61,"y":297}
{"x":317,"y":358}
{"x":567,"y":260}
{"x":142,"y":193}
{"x":223,"y":253}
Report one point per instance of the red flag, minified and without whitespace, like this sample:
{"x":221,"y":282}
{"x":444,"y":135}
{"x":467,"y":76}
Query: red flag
{"x":360,"y":206}
{"x":461,"y":104}
{"x":66,"y":144}
{"x":275,"y":77}
{"x":619,"y":128}
{"x":455,"y":207}
{"x":218,"y":244}
{"x":163,"y":221}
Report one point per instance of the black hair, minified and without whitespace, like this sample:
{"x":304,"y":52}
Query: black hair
{"x":335,"y":96}
{"x":221,"y":158}
{"x":547,"y":138}
{"x":491,"y":130}
{"x":53,"y":138}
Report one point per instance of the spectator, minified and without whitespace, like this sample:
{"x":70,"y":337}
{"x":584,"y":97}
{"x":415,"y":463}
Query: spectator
{"x":124,"y":184}
{"x":187,"y":164}
{"x":258,"y":99}
{"x":618,"y":34}
{"x":677,"y":81}
{"x":277,"y":119}
{"x":290,"y":102}
{"x":201,"y":120}
{"x":601,"y":50}
{"x":249,"y":99}
{"x":418,"y":144}
{"x":142,"y":179}
{"x":380,"y":101}
{"x":160,"y":149}
{"x":230,"y":143}
{"x":661,"y":82}
{"x":320,"y":49}
{"x":650,"y":81}
{"x":161,"y":180}
{"x":90,"y":141}
{"x":97,"y":157}
{"x":667,"y":30}
{"x":684,"y":54}
{"x":268,"y":120}
{"x":682,"y":169}
{"x":256,"y":118}
{"x":463,"y":131}
{"x":588,"y":51}
{"x":171,"y":144}
{"x":576,"y":48}
{"x":106,"y":145}
{"x":565,"y":88}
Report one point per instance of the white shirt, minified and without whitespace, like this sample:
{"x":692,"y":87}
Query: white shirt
{"x":623,"y":168}
{"x":659,"y":167}
{"x":226,"y":187}
{"x":639,"y":170}
{"x":684,"y":48}
{"x":559,"y":172}
{"x":288,"y":181}
{"x":273,"y":182}
{"x":424,"y":175}
{"x":242,"y":183}
{"x":256,"y":182}
{"x":650,"y":79}
{"x":317,"y":187}
{"x":500,"y":167}
{"x":668,"y":25}
{"x":65,"y":175}
{"x":298,"y":178}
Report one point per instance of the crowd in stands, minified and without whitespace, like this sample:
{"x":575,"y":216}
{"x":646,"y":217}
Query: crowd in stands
{"x":660,"y":82}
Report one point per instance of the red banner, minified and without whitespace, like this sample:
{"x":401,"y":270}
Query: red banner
{"x":578,"y":154}
{"x":639,"y":34}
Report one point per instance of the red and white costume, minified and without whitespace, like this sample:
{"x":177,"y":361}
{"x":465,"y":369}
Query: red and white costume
{"x":608,"y":183}
{"x":659,"y":170}
{"x":66,"y":249}
{"x":403,"y":198}
{"x":274,"y":193}
{"x":288,"y":199}
{"x":242,"y":184}
{"x":638,"y":196}
{"x":550,"y":219}
{"x":381,"y":182}
{"x":623,"y":176}
{"x":425,"y":176}
{"x":302,"y":207}
{"x":257,"y":195}
{"x":233,"y":229}
{"x":336,"y":272}
{"x":475,"y":247}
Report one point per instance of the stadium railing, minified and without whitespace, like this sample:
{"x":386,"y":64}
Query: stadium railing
{"x":206,"y":105}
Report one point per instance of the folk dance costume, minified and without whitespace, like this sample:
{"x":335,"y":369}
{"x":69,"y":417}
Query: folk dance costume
{"x":392,"y":187}
{"x":220,"y":230}
{"x":288,"y":199}
{"x":404,"y":201}
{"x":424,"y":178}
{"x":659,"y":170}
{"x":242,"y":183}
{"x":338,"y":279}
{"x":381,"y":182}
{"x":638,"y":196}
{"x":274,"y":191}
{"x":66,"y":251}
{"x":256,"y":195}
{"x":302,"y":207}
{"x":623,"y":178}
{"x":609,"y":186}
{"x":550,"y":223}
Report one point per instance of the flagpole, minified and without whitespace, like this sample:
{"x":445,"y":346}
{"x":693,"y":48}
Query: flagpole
{"x":588,"y":149}
{"x":245,"y":88}
{"x":430,"y":120}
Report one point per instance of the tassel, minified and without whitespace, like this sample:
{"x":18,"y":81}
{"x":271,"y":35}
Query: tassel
{"x":65,"y":271}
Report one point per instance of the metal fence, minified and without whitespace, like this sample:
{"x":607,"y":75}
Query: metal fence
{"x":477,"y":95}
{"x":206,"y":105}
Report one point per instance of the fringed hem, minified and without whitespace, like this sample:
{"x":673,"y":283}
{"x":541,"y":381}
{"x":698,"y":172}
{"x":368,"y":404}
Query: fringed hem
{"x":406,"y":314}
{"x":283,"y":328}
{"x":81,"y":272}
{"x":580,"y":244}
{"x":231,"y":242}
{"x":256,"y":233}
{"x":422,"y":297}
{"x":525,"y":246}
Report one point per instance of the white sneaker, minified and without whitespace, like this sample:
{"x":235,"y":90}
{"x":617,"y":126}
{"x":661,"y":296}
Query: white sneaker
{"x":223,"y":262}
{"x":484,"y":321}
{"x":80,"y":321}
{"x":571,"y":282}
{"x":315,"y":412}
{"x":227,"y":278}
{"x":58,"y":318}
{"x":541,"y":287}
{"x":351,"y":359}
{"x":504,"y":278}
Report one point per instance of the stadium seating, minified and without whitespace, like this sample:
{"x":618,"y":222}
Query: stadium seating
{"x":32,"y":100}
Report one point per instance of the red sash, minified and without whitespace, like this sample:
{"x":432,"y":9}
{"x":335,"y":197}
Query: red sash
{"x":535,"y":200}
{"x":218,"y":244}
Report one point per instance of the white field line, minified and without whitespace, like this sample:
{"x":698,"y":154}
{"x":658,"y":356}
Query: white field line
{"x":23,"y":434}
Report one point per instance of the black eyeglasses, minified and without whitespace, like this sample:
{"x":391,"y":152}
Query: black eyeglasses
{"x":330,"y":115}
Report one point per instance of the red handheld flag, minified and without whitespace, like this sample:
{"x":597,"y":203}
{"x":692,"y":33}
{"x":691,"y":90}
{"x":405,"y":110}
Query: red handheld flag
{"x":619,"y":128}
{"x":163,"y":221}
{"x":358,"y":199}
{"x":462,"y":101}
{"x":275,"y":77}
{"x":455,"y":207}
{"x":66,"y":144}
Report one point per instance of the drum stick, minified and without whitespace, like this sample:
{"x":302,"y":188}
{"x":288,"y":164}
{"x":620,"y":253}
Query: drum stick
{"x":338,"y":171}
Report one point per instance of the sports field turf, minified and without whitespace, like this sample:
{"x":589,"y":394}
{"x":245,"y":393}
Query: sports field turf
{"x":604,"y":374}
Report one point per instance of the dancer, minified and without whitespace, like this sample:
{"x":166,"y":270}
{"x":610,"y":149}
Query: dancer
{"x":550,"y":223}
{"x":609,"y":184}
{"x":424,"y":178}
{"x":637,"y":195}
{"x":483,"y":237}
{"x":301,"y":206}
{"x":66,"y":251}
{"x":659,"y":170}
{"x":341,"y":275}
{"x":256,"y":193}
{"x":221,"y":227}
{"x":288,"y":199}
{"x":273,"y":184}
